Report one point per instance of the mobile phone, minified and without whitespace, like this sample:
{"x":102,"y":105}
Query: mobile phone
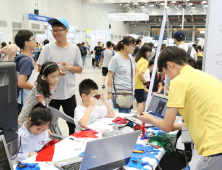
{"x":97,"y":96}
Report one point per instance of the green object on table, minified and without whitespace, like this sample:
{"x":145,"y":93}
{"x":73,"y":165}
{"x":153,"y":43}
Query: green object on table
{"x":165,"y":140}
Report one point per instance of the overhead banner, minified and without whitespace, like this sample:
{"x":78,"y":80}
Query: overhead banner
{"x":38,"y":18}
{"x":129,"y":16}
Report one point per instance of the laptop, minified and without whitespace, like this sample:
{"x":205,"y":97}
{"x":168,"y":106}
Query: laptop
{"x":107,"y":153}
{"x":5,"y":159}
{"x":157,"y":108}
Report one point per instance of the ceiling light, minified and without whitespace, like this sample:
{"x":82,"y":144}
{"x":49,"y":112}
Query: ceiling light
{"x":151,"y":5}
{"x":173,"y":2}
{"x":142,"y":6}
{"x":135,"y":25}
{"x":127,"y":5}
{"x":162,"y":3}
{"x":157,"y":25}
{"x":203,"y":2}
{"x":120,"y":4}
{"x":155,"y":19}
{"x":190,"y":3}
{"x":130,"y":8}
{"x":193,"y":7}
{"x":205,"y":5}
{"x":136,"y":3}
{"x":145,"y":4}
{"x":179,"y":19}
{"x":167,"y":7}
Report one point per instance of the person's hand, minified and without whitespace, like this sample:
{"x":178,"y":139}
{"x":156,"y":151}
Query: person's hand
{"x":158,"y":92}
{"x":92,"y":101}
{"x":145,"y":117}
{"x":49,"y":132}
{"x":67,"y":67}
{"x":102,"y":97}
{"x":62,"y":71}
{"x":9,"y":49}
{"x":63,"y":63}
{"x":110,"y":96}
{"x":32,"y":153}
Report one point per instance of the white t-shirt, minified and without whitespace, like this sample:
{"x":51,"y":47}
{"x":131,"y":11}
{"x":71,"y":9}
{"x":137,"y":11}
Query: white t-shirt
{"x":193,"y":53}
{"x":97,"y":113}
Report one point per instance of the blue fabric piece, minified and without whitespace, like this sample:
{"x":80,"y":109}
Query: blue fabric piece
{"x":30,"y":166}
{"x":81,"y":154}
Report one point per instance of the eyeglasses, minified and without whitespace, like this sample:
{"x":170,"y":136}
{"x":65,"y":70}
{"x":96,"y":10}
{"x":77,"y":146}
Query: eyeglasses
{"x":32,"y":40}
{"x":132,"y":46}
{"x":57,"y":31}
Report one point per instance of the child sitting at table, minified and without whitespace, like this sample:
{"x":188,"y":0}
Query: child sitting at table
{"x":88,"y":112}
{"x":33,"y":133}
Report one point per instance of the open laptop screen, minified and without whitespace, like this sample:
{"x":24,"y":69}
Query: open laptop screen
{"x":158,"y":106}
{"x":4,"y":162}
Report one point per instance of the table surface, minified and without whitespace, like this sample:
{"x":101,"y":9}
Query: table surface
{"x":72,"y":148}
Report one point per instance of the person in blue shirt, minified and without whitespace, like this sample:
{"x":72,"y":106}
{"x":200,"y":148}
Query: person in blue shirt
{"x":33,"y":133}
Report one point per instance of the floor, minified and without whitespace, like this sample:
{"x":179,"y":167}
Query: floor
{"x":96,"y":75}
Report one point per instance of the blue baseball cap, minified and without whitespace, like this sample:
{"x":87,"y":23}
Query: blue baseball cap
{"x":179,"y":34}
{"x":61,"y":20}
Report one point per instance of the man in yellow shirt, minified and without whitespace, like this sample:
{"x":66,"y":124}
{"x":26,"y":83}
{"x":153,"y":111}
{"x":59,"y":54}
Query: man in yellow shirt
{"x":197,"y":96}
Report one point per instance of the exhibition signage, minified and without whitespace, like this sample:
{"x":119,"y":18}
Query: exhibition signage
{"x":38,"y":18}
{"x":129,"y":16}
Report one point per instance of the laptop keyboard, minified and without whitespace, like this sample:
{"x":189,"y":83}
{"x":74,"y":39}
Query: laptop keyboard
{"x":73,"y":166}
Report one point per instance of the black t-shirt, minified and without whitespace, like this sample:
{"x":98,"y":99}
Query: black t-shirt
{"x":98,"y":50}
{"x":136,"y":50}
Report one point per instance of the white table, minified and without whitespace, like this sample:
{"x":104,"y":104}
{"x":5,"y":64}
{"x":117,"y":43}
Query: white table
{"x":72,"y":148}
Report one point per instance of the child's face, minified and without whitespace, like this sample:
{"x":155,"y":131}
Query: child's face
{"x":36,"y":130}
{"x":31,"y":43}
{"x":53,"y":78}
{"x":151,"y":68}
{"x":87,"y":98}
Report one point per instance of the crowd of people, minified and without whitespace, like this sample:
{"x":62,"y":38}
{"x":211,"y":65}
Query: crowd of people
{"x":124,"y":65}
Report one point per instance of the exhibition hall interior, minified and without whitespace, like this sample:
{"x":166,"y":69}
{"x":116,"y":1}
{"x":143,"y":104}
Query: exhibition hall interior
{"x":110,"y":84}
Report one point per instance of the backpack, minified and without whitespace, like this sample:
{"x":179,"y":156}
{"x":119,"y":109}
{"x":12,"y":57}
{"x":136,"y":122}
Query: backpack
{"x":16,"y":61}
{"x":158,"y":77}
{"x":189,"y":51}
{"x":83,"y":51}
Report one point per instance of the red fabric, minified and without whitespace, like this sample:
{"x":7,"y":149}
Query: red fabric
{"x":86,"y":134}
{"x":120,"y":120}
{"x":47,"y":152}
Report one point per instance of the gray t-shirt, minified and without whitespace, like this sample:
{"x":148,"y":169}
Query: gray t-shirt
{"x":193,"y":53}
{"x":71,"y":55}
{"x":107,"y":55}
{"x":152,"y":54}
{"x":122,"y":72}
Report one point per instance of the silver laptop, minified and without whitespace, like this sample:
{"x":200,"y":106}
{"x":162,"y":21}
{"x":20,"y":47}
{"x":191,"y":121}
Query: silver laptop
{"x":5,"y":160}
{"x":157,"y":108}
{"x":106,"y":153}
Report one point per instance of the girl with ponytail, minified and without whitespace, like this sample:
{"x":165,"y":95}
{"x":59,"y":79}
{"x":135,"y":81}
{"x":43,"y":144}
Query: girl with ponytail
{"x":43,"y":89}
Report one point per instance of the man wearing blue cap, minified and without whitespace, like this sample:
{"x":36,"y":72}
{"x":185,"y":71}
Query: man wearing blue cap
{"x":69,"y":54}
{"x":179,"y":39}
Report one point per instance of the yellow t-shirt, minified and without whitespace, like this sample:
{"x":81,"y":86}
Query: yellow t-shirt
{"x":198,"y":96}
{"x":141,"y":65}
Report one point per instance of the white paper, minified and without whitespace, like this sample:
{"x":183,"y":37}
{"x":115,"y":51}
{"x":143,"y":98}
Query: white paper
{"x":146,"y":76}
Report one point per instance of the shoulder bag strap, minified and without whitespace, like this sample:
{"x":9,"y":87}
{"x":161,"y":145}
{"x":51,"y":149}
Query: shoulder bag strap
{"x":189,"y":51}
{"x":131,"y":73}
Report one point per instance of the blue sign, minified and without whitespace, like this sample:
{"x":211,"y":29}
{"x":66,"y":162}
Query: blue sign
{"x":38,"y":18}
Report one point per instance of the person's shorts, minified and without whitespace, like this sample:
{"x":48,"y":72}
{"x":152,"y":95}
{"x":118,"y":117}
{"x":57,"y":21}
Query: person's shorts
{"x":34,"y":58}
{"x":105,"y":71}
{"x":139,"y":95}
{"x":97,"y":58}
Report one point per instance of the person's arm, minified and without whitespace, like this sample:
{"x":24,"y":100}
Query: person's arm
{"x":166,"y":125}
{"x":40,"y":98}
{"x":110,"y":112}
{"x":160,"y":87}
{"x":10,"y":51}
{"x":146,"y":89}
{"x":73,"y":69}
{"x":178,"y":126}
{"x":140,"y":74}
{"x":39,"y":68}
{"x":86,"y":118}
{"x":109,"y":84}
{"x":23,"y":84}
{"x":167,"y":88}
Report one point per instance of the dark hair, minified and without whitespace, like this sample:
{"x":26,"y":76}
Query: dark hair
{"x":196,"y":49}
{"x":126,"y":41}
{"x":10,"y":42}
{"x":21,"y":37}
{"x":151,"y":62}
{"x":42,"y":85}
{"x":58,"y":24}
{"x":108,"y":44}
{"x":79,"y":45}
{"x":45,"y":41}
{"x":172,"y":54}
{"x":83,"y":43}
{"x":142,"y":52}
{"x":180,"y":39}
{"x":192,"y":62}
{"x":194,"y":45}
{"x":199,"y":47}
{"x":86,"y":86}
{"x":150,"y":44}
{"x":138,"y":41}
{"x":3,"y":44}
{"x":40,"y":115}
{"x":98,"y":42}
{"x":199,"y":64}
